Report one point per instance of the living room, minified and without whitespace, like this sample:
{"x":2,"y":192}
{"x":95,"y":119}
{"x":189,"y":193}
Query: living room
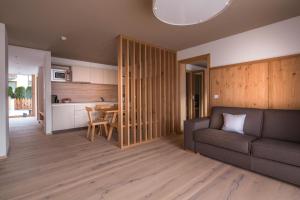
{"x":204,"y":96}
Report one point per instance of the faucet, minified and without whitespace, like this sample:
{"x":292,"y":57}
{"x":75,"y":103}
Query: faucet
{"x":101,"y":99}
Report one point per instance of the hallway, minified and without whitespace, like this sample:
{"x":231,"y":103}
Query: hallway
{"x":24,"y":126}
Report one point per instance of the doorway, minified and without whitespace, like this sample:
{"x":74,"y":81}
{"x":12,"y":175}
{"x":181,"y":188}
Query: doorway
{"x":194,"y":87}
{"x":23,"y":72}
{"x":195,"y":94}
{"x":21,"y":93}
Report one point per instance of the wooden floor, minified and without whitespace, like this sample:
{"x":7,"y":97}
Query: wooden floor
{"x":67,"y":166}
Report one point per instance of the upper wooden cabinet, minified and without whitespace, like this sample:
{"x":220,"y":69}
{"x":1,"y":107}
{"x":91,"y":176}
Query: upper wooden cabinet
{"x":94,"y":75}
{"x":81,"y":74}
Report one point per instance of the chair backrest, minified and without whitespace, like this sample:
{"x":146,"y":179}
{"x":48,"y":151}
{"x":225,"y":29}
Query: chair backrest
{"x":105,"y":106}
{"x":102,"y":107}
{"x":90,"y":113}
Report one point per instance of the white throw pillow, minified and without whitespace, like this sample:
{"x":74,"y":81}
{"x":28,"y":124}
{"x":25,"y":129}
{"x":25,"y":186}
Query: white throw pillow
{"x":234,"y":123}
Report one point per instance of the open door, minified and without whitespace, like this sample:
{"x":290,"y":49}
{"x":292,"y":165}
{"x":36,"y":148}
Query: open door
{"x":195,"y":94}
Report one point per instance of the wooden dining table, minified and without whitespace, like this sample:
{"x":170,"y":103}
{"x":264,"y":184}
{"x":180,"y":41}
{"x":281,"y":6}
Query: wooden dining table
{"x":110,"y":114}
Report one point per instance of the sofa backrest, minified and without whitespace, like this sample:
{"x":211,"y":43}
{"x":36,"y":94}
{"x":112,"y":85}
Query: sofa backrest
{"x":282,"y":125}
{"x":253,"y":121}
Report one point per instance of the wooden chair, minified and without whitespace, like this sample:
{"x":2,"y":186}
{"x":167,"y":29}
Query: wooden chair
{"x":93,"y":123}
{"x":110,"y":113}
{"x":102,"y":115}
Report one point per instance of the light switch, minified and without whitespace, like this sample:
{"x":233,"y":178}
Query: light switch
{"x":216,"y":96}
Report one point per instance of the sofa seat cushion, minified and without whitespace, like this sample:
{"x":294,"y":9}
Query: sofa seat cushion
{"x":276,"y":150}
{"x":227,"y":140}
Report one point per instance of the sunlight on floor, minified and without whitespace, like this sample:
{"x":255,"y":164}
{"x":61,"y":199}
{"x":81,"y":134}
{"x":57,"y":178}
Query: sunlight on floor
{"x":23,"y":126}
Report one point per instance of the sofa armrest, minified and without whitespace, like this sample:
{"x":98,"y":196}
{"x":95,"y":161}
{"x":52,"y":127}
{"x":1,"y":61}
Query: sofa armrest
{"x":189,"y":127}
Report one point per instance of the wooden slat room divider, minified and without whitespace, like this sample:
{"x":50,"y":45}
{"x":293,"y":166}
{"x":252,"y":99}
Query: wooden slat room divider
{"x":148,"y":92}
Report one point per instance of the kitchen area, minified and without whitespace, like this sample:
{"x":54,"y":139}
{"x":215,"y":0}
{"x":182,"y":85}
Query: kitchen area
{"x":76,"y":85}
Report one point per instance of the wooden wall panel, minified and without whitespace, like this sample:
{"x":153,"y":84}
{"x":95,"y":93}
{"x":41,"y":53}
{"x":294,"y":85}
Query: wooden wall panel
{"x":240,"y":86}
{"x":272,"y":83}
{"x":148,"y":90}
{"x":284,"y":87}
{"x":84,"y":92}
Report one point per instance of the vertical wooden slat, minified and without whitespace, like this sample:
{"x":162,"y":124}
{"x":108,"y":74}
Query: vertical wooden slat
{"x":139,"y":93}
{"x":145,"y":112}
{"x":164,"y":113}
{"x":165,"y":92}
{"x":149,"y":93}
{"x":154,"y":92}
{"x":159,"y":106}
{"x":168,"y":92}
{"x":127,"y":95}
{"x":133,"y":99}
{"x":120,"y":91}
{"x":175,"y":92}
{"x":33,"y":94}
{"x":177,"y":106}
{"x":172,"y":93}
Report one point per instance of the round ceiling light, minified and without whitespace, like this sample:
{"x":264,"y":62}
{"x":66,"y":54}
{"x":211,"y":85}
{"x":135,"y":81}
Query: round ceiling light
{"x":63,"y":38}
{"x":187,"y":12}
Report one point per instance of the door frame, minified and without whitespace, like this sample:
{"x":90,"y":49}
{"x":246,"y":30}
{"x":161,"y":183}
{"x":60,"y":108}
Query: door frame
{"x":182,"y":80}
{"x":190,"y":93}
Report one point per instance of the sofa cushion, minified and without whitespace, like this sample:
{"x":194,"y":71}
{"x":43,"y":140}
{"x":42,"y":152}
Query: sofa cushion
{"x":234,"y":123}
{"x":227,"y":140}
{"x":253,"y":121}
{"x":276,"y":150}
{"x":282,"y":125}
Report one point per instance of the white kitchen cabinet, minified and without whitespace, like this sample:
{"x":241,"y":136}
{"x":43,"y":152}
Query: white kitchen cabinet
{"x":95,"y":75}
{"x":80,"y":115}
{"x":115,"y":77}
{"x":72,"y":115}
{"x":81,"y":74}
{"x":81,"y":118}
{"x":110,"y":77}
{"x":63,"y":117}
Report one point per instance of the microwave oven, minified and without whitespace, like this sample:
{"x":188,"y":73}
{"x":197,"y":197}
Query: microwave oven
{"x":60,"y":75}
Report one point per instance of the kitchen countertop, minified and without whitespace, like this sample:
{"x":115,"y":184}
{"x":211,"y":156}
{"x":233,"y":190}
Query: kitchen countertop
{"x":80,"y":103}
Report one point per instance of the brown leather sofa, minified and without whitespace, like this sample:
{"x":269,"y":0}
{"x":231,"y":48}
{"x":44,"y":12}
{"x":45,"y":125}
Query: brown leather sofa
{"x":270,"y":144}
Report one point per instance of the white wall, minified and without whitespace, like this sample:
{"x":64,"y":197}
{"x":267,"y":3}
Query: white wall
{"x":27,"y":59}
{"x":278,"y":39}
{"x":23,"y":60}
{"x":4,"y":139}
{"x":47,"y":94}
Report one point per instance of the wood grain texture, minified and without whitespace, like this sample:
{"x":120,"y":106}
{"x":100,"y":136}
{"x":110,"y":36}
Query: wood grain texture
{"x":127,"y":97}
{"x":67,"y":166}
{"x":240,"y":86}
{"x":155,"y":89}
{"x":81,"y":92}
{"x":284,"y":84}
{"x":272,"y":83}
{"x":40,"y":92}
{"x":34,"y":95}
{"x":120,"y":90}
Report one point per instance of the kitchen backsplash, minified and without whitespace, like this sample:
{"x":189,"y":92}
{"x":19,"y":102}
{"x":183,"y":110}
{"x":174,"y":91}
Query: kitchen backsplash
{"x":85,"y":92}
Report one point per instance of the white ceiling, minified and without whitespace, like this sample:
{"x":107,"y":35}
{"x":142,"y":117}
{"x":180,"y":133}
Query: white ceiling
{"x":24,"y":61}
